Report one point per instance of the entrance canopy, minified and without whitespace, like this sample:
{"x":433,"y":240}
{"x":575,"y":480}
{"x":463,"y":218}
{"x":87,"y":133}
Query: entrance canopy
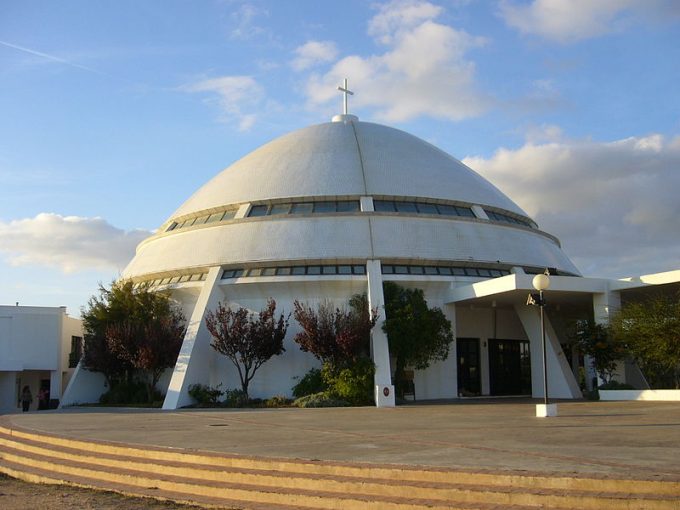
{"x":513,"y":289}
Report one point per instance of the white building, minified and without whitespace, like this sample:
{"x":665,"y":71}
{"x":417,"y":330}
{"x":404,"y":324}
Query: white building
{"x":39,"y":348}
{"x":335,"y":209}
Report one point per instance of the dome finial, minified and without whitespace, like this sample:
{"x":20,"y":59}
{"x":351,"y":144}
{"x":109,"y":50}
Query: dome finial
{"x":345,"y":92}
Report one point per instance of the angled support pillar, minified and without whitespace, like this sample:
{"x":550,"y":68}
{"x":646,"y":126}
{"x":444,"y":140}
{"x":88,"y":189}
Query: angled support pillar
{"x":380,"y":351}
{"x":561,"y":381}
{"x":193,"y":362}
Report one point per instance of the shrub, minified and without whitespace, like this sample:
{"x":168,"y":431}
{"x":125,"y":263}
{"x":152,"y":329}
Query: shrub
{"x":205,"y":395}
{"x":322,"y":399}
{"x":615,"y":385}
{"x":312,"y":382}
{"x":353,"y":384}
{"x":128,"y":392}
{"x":235,"y":398}
{"x":593,"y":394}
{"x":278,"y":401}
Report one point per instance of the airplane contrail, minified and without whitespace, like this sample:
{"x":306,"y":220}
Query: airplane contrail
{"x":51,"y":57}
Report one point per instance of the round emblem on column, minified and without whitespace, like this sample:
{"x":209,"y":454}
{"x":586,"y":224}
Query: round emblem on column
{"x":386,"y":391}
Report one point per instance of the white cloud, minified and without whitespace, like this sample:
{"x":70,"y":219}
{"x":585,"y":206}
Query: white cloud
{"x":613,"y":205}
{"x":543,"y":133}
{"x":70,"y":243}
{"x":245,"y":20}
{"x":399,"y":15}
{"x":568,"y":21}
{"x":312,"y":53}
{"x":237,"y":97}
{"x":422,"y":72}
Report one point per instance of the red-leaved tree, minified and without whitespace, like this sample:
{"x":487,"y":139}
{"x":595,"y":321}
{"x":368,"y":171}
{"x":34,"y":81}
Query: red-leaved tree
{"x":246,"y":339}
{"x":150,"y":346}
{"x":338,"y":336}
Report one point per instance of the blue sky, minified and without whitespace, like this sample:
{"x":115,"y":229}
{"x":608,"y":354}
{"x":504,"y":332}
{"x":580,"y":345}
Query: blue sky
{"x":113,"y":113}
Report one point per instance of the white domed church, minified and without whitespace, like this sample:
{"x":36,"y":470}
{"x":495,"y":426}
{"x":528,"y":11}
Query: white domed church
{"x":338,"y":208}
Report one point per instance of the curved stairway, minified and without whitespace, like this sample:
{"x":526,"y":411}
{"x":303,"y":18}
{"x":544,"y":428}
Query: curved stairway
{"x":233,"y":481}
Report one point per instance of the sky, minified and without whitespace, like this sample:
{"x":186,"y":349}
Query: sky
{"x":113,"y":113}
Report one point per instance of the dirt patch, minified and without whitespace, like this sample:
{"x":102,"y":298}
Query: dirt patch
{"x":18,"y":495}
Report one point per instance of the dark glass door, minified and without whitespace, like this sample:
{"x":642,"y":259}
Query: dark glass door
{"x":469,"y":381}
{"x":509,"y":367}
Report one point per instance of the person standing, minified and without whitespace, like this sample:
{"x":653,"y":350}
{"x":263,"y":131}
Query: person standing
{"x":26,"y":398}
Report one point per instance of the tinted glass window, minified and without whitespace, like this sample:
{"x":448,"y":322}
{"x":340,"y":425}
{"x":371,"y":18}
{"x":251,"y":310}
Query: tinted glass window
{"x":348,"y":206}
{"x":465,"y":211}
{"x":448,"y":210}
{"x":406,"y":207}
{"x":329,"y":270}
{"x":324,"y":207}
{"x":298,"y":270}
{"x":302,"y":208}
{"x":258,"y":210}
{"x":427,"y":209}
{"x":279,"y":209}
{"x":314,"y":270}
{"x":344,"y":269}
{"x":383,"y":206}
{"x":359,"y":269}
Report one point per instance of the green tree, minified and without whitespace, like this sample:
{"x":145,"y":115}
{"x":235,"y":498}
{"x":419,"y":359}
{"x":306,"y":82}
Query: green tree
{"x":130,"y":330}
{"x":651,"y":331}
{"x":248,"y":341}
{"x":604,"y":350}
{"x":417,"y":334}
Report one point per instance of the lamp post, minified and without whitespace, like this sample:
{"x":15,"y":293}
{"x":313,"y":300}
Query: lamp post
{"x":541,"y":282}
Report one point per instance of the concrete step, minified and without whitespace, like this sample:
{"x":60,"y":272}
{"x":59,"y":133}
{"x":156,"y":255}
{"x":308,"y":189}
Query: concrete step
{"x":34,"y":475}
{"x":312,"y":487}
{"x":655,"y":486}
{"x":233,"y":495}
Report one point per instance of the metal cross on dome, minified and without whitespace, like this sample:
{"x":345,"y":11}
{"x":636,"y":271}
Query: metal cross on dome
{"x":345,"y":92}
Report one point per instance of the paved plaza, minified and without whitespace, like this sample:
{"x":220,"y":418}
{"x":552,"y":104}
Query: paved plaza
{"x":631,"y":439}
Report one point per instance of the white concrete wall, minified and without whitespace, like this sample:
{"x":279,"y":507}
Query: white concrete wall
{"x":70,"y":327}
{"x":84,"y":387}
{"x":8,"y":392}
{"x":34,"y":345}
{"x":660,"y":395}
{"x":31,"y":336}
{"x":281,"y":373}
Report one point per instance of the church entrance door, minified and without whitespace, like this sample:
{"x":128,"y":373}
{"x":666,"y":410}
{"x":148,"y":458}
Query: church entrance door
{"x":509,"y":367}
{"x":469,"y":381}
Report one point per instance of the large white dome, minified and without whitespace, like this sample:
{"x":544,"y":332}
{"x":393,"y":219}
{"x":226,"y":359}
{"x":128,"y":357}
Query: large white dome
{"x":346,"y":159}
{"x":233,"y":220}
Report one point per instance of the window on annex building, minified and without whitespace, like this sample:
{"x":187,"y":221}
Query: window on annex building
{"x":76,"y":351}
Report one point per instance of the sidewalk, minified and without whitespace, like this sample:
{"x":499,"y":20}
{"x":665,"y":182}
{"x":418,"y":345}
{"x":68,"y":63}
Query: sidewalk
{"x":633,"y":439}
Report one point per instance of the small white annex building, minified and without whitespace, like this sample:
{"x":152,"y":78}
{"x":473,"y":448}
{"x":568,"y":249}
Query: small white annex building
{"x":338,"y":208}
{"x":39,"y":348}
